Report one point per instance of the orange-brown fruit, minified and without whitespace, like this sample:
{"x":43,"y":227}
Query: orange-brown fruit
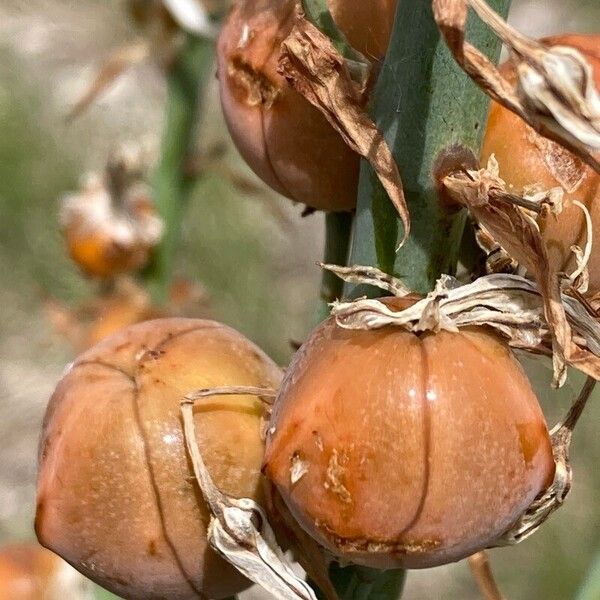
{"x":106,"y":236}
{"x":399,"y":450}
{"x":286,"y":141}
{"x":116,"y":492}
{"x":30,"y":572}
{"x":526,"y":158}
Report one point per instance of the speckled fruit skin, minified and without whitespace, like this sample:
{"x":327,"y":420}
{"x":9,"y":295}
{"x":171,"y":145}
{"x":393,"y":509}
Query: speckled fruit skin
{"x":30,"y":572}
{"x":116,"y":493}
{"x":285,"y":140}
{"x":525,"y":158}
{"x":416,"y":450}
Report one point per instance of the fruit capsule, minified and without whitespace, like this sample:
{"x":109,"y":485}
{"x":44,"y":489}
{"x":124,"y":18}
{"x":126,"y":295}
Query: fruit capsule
{"x":105,"y":240}
{"x":30,"y":572}
{"x":399,"y":450}
{"x":116,"y":492}
{"x":284,"y":139}
{"x":527,"y":159}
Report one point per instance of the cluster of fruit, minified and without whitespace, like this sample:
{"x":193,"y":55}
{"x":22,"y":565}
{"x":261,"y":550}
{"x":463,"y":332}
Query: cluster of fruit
{"x":389,"y":448}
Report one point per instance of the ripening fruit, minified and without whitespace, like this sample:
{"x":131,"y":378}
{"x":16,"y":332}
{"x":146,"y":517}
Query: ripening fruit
{"x":106,"y":237}
{"x":527,"y":159}
{"x":30,"y":572}
{"x":285,"y":140}
{"x":116,"y":493}
{"x":399,"y":450}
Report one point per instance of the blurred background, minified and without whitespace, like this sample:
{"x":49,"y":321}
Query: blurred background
{"x":251,"y":252}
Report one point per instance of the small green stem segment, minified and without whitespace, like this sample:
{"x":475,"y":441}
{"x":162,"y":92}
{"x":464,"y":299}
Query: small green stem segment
{"x":338,"y":231}
{"x":172,"y":185}
{"x":424,"y":104}
{"x":591,"y":587}
{"x":362,"y":583}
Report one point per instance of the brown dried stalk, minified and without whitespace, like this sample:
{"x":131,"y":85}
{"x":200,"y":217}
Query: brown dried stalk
{"x":239,"y":529}
{"x":482,"y":573}
{"x":119,"y":61}
{"x":314,"y":68}
{"x":555,"y":92}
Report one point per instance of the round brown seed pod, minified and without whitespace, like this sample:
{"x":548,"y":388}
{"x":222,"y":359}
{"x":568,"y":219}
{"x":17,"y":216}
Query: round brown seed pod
{"x":399,"y":450}
{"x":30,"y":572}
{"x":106,"y":240}
{"x":285,"y":140}
{"x":527,"y":159}
{"x":116,"y":493}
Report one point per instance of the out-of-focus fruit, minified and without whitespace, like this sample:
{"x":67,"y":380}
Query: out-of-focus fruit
{"x":126,"y":304}
{"x":106,"y":236}
{"x":30,"y":572}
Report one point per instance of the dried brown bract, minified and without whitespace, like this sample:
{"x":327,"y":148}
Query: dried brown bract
{"x":555,"y":91}
{"x":314,"y":68}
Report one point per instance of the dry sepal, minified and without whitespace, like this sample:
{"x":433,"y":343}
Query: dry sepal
{"x":509,"y":221}
{"x":111,"y":225}
{"x":529,"y":162}
{"x":239,"y":528}
{"x":555,"y":91}
{"x":317,"y":70}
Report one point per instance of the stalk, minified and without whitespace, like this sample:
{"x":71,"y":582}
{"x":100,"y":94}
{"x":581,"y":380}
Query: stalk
{"x":591,"y":587}
{"x":338,"y":230}
{"x":423,"y":103}
{"x":172,"y":185}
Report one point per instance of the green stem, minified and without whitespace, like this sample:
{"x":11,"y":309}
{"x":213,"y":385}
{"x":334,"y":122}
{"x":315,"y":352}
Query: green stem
{"x":362,"y":583}
{"x":423,"y":103}
{"x":172,"y":184}
{"x":591,"y":588}
{"x":338,"y":230}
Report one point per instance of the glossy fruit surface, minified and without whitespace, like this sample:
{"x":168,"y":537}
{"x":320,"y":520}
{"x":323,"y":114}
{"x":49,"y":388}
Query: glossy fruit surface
{"x":285,"y":140}
{"x":526,"y":159}
{"x":393,"y":449}
{"x":30,"y":572}
{"x":116,"y":494}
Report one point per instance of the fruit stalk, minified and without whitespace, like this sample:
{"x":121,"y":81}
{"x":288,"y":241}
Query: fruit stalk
{"x":338,"y":229}
{"x":423,"y":103}
{"x":172,"y":185}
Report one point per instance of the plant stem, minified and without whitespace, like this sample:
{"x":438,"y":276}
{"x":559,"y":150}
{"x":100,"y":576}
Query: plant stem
{"x":591,"y":587}
{"x":423,"y":103}
{"x":338,"y":230}
{"x":362,"y":583}
{"x":172,"y":184}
